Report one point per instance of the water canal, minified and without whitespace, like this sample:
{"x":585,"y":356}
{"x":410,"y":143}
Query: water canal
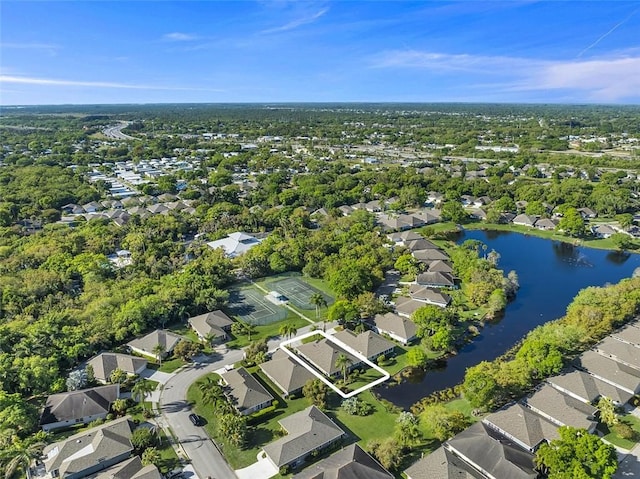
{"x":550,"y":272}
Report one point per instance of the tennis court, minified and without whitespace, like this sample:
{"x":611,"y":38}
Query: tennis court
{"x":251,"y":306}
{"x":298,"y":292}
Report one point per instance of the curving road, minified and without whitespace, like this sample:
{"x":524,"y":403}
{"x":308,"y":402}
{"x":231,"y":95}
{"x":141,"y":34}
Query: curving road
{"x":115,"y":132}
{"x":206,"y":458}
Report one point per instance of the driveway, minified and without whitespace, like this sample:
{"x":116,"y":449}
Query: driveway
{"x":630,"y":465}
{"x":157,"y":376}
{"x":263,"y":469}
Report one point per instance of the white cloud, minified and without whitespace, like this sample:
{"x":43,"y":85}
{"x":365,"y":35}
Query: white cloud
{"x":602,"y":79}
{"x":93,"y":84}
{"x":298,"y":22}
{"x":179,"y":37}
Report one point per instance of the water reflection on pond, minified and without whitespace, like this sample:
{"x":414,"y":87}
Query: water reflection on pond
{"x":551,"y":273}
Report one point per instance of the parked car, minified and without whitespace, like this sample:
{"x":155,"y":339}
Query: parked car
{"x":195,"y":419}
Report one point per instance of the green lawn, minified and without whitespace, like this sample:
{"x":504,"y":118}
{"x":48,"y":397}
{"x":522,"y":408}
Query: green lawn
{"x":267,"y":331}
{"x":170,"y":365}
{"x":168,"y":458}
{"x":616,"y":440}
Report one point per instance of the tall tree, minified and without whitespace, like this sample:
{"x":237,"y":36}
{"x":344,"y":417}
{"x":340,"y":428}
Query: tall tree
{"x":141,"y":390}
{"x":343,"y":362}
{"x":19,"y":456}
{"x":159,"y":350}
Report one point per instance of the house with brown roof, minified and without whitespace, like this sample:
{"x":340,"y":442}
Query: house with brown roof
{"x":244,"y":392}
{"x":91,"y":451}
{"x":307,"y":431}
{"x":78,"y":407}
{"x":105,"y":363}
{"x":214,"y":324}
{"x":368,"y":343}
{"x":351,"y":462}
{"x":396,"y":327}
{"x":286,"y":373}
{"x":146,"y":344}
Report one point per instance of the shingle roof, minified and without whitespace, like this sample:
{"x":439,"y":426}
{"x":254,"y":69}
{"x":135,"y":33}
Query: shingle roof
{"x":630,"y":333}
{"x":87,"y":449}
{"x":367,"y":343}
{"x":441,"y":464}
{"x":245,"y":391}
{"x":609,"y":370}
{"x":620,"y":351}
{"x":213,"y":322}
{"x":524,"y":425}
{"x":323,"y":354}
{"x":352,"y":462}
{"x":561,"y":408}
{"x":429,"y":295}
{"x":105,"y":363}
{"x":436,"y":278}
{"x":588,"y":387}
{"x":307,"y":431}
{"x":407,"y":306}
{"x":131,"y":469}
{"x":78,"y":404}
{"x":441,"y":266}
{"x":500,"y":458}
{"x":159,"y":336}
{"x":429,"y":255}
{"x":286,"y":373}
{"x":420,"y":245}
{"x":396,"y":325}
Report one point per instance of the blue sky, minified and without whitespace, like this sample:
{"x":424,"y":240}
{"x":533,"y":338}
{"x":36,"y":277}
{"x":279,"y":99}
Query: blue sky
{"x":289,"y":51}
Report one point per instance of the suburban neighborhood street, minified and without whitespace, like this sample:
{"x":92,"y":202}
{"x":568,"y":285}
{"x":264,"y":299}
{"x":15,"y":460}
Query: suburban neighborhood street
{"x":206,"y":459}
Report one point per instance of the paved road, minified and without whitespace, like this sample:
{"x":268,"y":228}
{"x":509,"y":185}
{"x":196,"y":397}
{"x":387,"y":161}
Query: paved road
{"x":116,"y":132}
{"x":205,"y":457}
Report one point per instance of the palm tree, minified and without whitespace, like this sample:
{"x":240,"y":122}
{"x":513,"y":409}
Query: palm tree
{"x":343,"y":362}
{"x":212,"y":393}
{"x":159,"y":350}
{"x":141,"y":390}
{"x":288,"y":330}
{"x":19,"y":456}
{"x":319,"y":301}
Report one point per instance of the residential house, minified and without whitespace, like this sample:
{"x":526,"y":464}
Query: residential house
{"x":442,"y":464}
{"x":286,"y":373}
{"x":146,"y":344}
{"x":105,"y":363}
{"x":620,"y":351}
{"x":78,"y":407}
{"x":429,"y":295}
{"x":323,"y":355}
{"x":429,"y":255}
{"x":562,"y":409}
{"x":523,"y":426}
{"x":547,"y":224}
{"x":396,"y":327}
{"x":235,"y":244}
{"x":437,"y":279}
{"x":244,"y":392}
{"x":420,"y":244}
{"x":404,"y":237}
{"x":368,"y":343}
{"x":587,"y":388}
{"x":407,"y":306}
{"x":307,"y":431}
{"x":587,"y":213}
{"x":89,"y":451}
{"x":603,"y":231}
{"x":525,"y":220}
{"x":629,"y":333}
{"x":346,"y":210}
{"x":610,"y":371}
{"x":214,"y":324}
{"x":351,"y":462}
{"x":441,"y":266}
{"x":130,"y":469}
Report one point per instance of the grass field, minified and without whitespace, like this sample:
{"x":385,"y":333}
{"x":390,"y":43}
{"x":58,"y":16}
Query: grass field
{"x":616,"y":440}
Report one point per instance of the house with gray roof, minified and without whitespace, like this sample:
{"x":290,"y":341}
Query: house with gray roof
{"x":610,"y":371}
{"x":286,"y":373}
{"x":78,"y":407}
{"x":105,"y":363}
{"x":562,"y":409}
{"x":441,"y":464}
{"x":440,"y":265}
{"x":351,"y":462}
{"x":405,"y":236}
{"x":244,"y":392}
{"x":523,"y":426}
{"x":323,"y":355}
{"x":629,"y":333}
{"x":429,"y":295}
{"x":420,"y":244}
{"x":587,"y":388}
{"x":396,"y":327}
{"x":130,"y":469}
{"x":407,"y":306}
{"x":437,"y":279}
{"x":428,"y":255}
{"x":307,"y":431}
{"x":525,"y":220}
{"x":89,"y":452}
{"x":215,"y":324}
{"x":146,"y":344}
{"x":368,"y":343}
{"x":623,"y":352}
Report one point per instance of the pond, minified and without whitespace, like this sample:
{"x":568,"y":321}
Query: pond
{"x":550,"y":273}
